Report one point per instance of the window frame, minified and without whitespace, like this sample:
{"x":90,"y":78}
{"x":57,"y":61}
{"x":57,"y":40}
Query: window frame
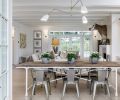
{"x":80,"y":34}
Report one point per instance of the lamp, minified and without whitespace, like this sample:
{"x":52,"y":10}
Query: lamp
{"x":84,"y":20}
{"x":45,"y":18}
{"x":13,"y":31}
{"x":84,"y":9}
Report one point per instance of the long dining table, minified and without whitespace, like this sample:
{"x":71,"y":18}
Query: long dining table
{"x":64,"y":64}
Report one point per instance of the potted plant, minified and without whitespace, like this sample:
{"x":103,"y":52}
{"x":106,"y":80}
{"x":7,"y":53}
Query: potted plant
{"x":71,"y":58}
{"x":46,"y":57}
{"x":94,"y":57}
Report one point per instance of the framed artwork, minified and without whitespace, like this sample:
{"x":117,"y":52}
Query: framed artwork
{"x":37,"y":43}
{"x":37,"y":50}
{"x":37,"y":35}
{"x":22,"y":40}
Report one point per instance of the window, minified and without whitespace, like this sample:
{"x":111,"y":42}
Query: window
{"x":75,"y":42}
{"x":87,"y":44}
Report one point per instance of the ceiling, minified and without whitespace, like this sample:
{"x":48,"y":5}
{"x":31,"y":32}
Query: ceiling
{"x":29,"y":12}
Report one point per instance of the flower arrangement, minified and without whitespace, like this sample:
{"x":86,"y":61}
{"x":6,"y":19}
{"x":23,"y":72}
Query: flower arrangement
{"x":46,"y":57}
{"x":95,"y":55}
{"x":71,"y":57}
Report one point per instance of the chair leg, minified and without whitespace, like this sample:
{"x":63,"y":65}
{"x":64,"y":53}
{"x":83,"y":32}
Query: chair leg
{"x":46,"y":90}
{"x":108,"y":90}
{"x":49,"y":86}
{"x":77,"y":88}
{"x":55,"y":77}
{"x":33,"y":89}
{"x":64,"y":88}
{"x":94,"y":90}
{"x":91,"y":87}
{"x":105,"y":87}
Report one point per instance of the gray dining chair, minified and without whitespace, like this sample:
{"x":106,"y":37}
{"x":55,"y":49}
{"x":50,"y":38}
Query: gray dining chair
{"x":38,"y":79}
{"x":102,"y":79}
{"x":71,"y":79}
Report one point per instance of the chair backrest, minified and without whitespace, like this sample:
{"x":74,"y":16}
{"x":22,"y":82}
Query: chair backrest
{"x":102,"y":74}
{"x":38,"y":74}
{"x":70,"y":75}
{"x":35,"y":57}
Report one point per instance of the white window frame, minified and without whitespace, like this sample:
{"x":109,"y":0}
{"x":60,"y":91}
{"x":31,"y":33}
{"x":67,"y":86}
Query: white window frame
{"x":81,"y":40}
{"x":8,"y":19}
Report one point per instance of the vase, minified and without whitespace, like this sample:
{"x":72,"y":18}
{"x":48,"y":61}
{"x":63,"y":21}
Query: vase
{"x":45,"y":60}
{"x":94,"y":60}
{"x":71,"y":61}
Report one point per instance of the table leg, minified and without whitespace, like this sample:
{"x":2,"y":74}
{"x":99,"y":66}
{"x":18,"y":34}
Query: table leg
{"x":26,"y":81}
{"x":116,"y":82}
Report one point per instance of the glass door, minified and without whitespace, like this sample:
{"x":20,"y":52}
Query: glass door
{"x":87,"y":44}
{"x":70,"y":44}
{"x":4,"y":55}
{"x":80,"y":42}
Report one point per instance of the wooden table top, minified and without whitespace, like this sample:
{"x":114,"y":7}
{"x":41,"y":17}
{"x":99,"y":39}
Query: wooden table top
{"x":60,"y":64}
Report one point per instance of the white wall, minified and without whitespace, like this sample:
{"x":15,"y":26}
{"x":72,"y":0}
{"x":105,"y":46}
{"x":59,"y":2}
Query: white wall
{"x":115,"y":48}
{"x":108,"y":23}
{"x":18,"y":52}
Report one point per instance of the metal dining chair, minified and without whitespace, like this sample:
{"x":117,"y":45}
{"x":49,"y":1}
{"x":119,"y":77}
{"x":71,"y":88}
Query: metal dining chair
{"x":38,"y":79}
{"x":102,"y":79}
{"x":71,"y":79}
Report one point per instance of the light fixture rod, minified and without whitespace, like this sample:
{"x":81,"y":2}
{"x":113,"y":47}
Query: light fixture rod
{"x":59,"y":11}
{"x":77,"y":3}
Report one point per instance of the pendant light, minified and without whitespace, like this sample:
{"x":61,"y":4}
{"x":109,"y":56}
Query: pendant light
{"x":84,"y":9}
{"x":84,"y":20}
{"x":45,"y":18}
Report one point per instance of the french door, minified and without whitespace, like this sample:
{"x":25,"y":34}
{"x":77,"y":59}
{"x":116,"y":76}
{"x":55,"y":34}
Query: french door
{"x":75,"y":41}
{"x":5,"y":65}
{"x":70,"y":43}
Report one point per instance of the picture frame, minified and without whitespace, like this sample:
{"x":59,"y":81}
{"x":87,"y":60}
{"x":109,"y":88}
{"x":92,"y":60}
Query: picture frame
{"x":37,"y":50}
{"x":22,"y":40}
{"x":37,"y":43}
{"x":37,"y":35}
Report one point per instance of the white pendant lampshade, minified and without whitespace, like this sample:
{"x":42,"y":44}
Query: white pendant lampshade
{"x":84,"y":9}
{"x":45,"y":18}
{"x":84,"y":20}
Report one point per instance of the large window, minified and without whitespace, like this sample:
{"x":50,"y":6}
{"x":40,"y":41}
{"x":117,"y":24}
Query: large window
{"x":70,"y":44}
{"x":74,"y":41}
{"x":4,"y":55}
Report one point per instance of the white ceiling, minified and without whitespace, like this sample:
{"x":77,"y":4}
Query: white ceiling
{"x":29,"y":12}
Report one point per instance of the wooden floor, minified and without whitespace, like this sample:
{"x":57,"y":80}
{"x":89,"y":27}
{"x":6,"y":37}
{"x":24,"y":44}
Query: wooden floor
{"x":19,"y":89}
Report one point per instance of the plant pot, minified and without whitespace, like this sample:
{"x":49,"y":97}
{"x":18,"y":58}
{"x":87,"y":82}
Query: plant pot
{"x":45,"y":60}
{"x":94,"y":60}
{"x":71,"y":61}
